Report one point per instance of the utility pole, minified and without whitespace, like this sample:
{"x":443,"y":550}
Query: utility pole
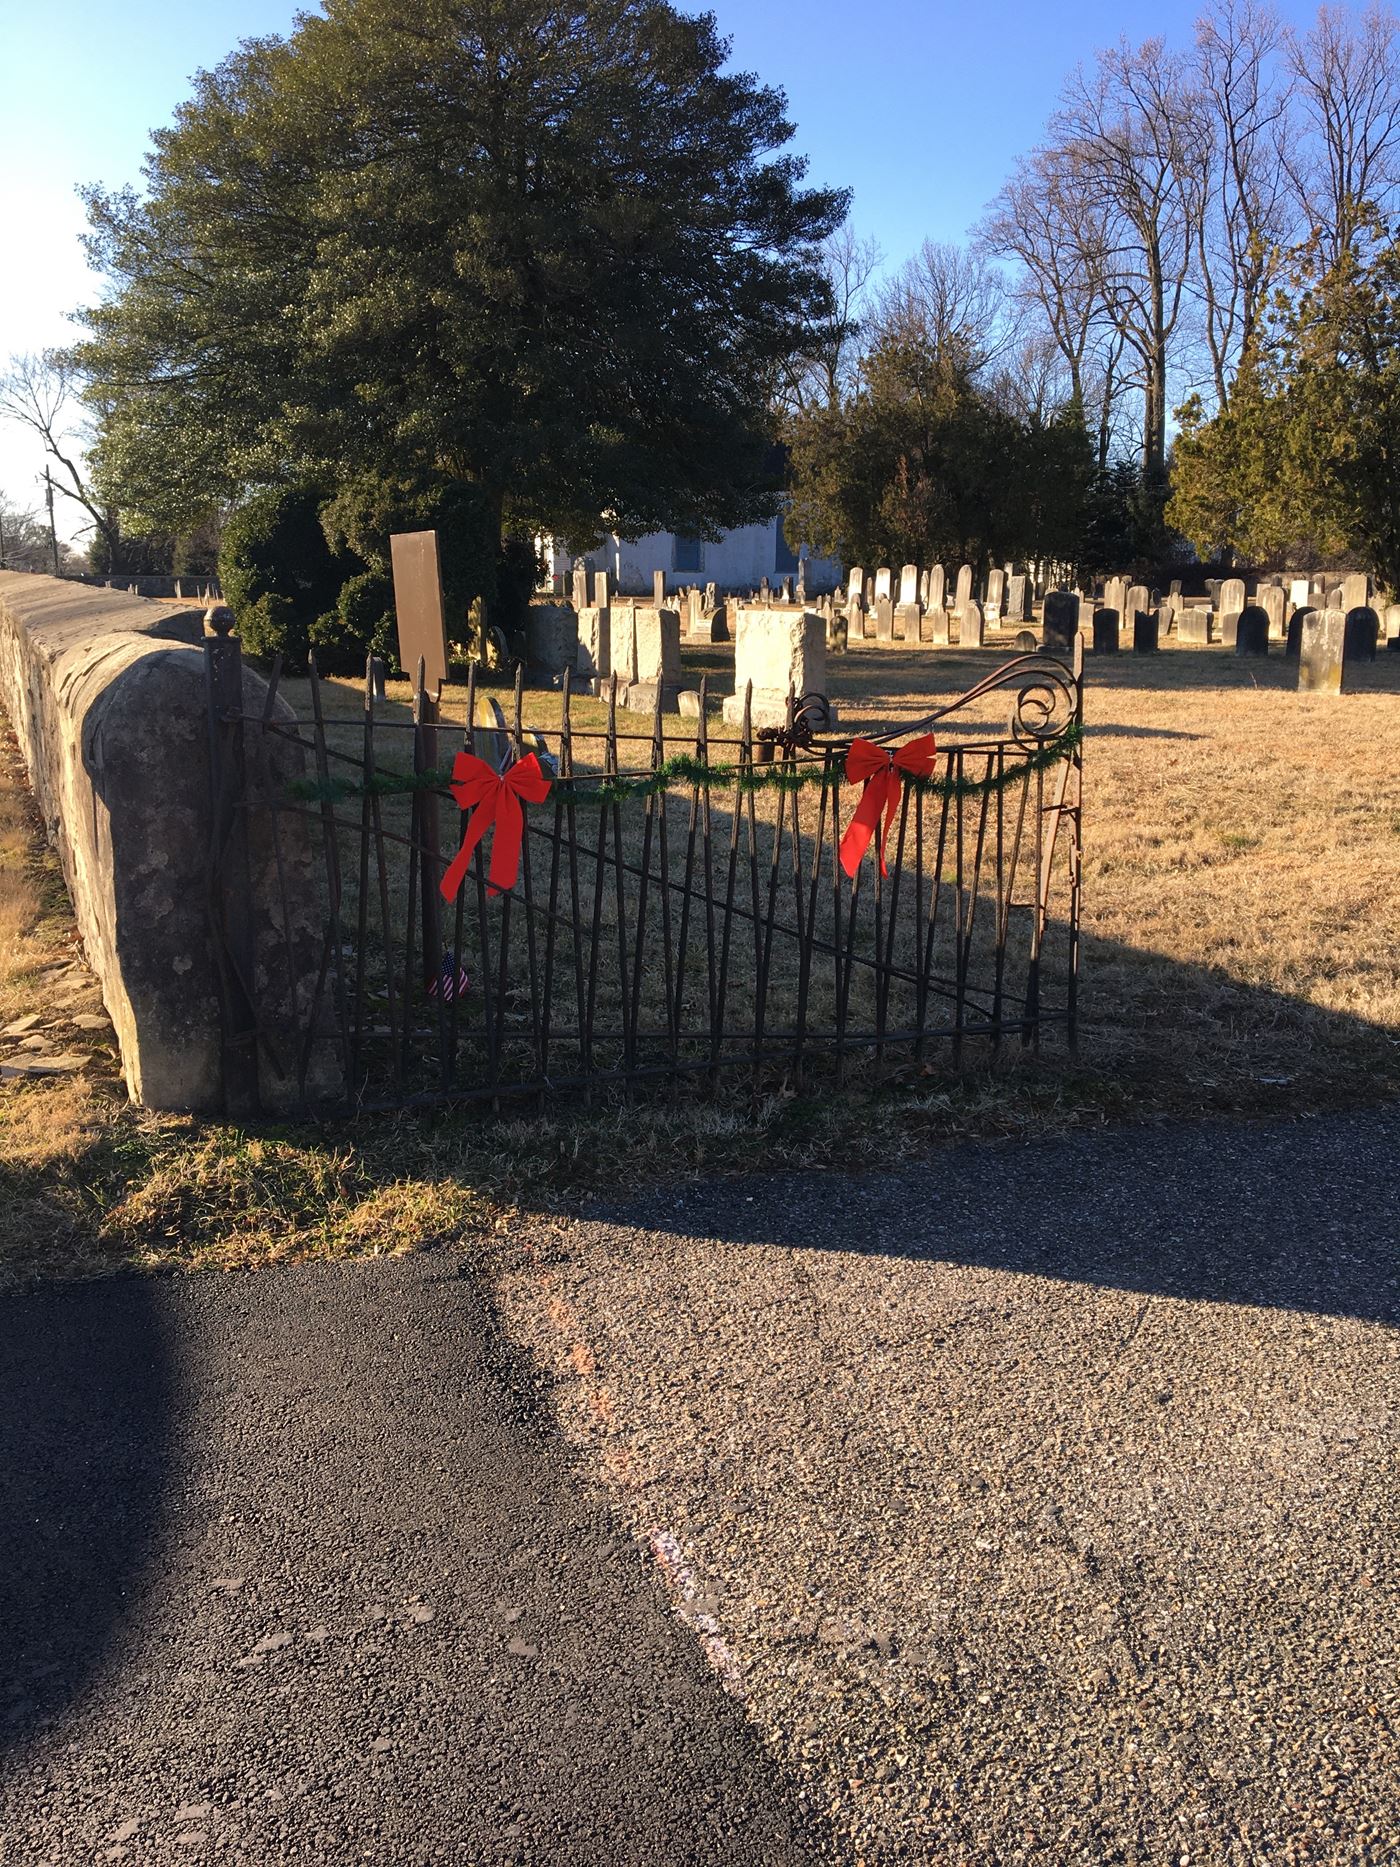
{"x":53,"y":534}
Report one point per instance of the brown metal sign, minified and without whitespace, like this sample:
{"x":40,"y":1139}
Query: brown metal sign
{"x":419,"y":607}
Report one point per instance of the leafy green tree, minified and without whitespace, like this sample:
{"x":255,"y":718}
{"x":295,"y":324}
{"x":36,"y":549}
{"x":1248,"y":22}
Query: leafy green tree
{"x":552,"y":252}
{"x":280,"y":576}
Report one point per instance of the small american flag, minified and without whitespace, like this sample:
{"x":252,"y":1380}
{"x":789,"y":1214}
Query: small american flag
{"x":451,"y":981}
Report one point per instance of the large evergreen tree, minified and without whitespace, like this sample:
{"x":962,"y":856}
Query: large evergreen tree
{"x":545,"y":248}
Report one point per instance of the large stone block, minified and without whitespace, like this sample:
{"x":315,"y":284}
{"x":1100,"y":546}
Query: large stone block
{"x":552,"y":639}
{"x":594,"y":644}
{"x":657,"y":646}
{"x":776,"y":650}
{"x":108,"y":698}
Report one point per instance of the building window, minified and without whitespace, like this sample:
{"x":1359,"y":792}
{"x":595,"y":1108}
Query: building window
{"x":686,"y":555}
{"x":784,"y":557}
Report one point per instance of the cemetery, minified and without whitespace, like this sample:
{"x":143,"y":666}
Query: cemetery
{"x":699,"y":985}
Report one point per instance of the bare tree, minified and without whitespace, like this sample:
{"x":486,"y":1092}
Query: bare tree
{"x":40,"y":392}
{"x":1247,"y":207}
{"x":1348,"y":86}
{"x":822,"y":379}
{"x":24,"y":538}
{"x":954,"y":300}
{"x":1127,"y":144}
{"x":1046,"y":229}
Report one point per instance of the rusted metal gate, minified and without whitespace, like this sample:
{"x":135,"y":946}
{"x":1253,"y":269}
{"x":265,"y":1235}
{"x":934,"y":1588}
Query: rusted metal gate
{"x":682,"y":913}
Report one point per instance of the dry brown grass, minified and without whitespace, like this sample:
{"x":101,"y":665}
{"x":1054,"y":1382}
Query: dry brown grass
{"x":1242,"y":881}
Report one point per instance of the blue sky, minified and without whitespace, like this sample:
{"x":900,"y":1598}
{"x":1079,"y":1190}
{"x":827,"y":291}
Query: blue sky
{"x":920,"y":108}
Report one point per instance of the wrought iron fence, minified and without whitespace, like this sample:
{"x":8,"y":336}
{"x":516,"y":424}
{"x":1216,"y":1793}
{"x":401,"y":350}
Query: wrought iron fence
{"x":684,"y":910}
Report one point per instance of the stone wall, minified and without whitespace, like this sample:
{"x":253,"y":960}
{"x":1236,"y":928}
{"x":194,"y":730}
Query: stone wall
{"x":106,"y":693}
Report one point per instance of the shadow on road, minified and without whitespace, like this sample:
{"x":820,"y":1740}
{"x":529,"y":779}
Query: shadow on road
{"x":85,"y":1407}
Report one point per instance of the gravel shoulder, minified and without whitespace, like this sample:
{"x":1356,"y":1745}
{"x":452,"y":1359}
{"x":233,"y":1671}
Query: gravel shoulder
{"x":292,"y":1570}
{"x":1041,"y":1500}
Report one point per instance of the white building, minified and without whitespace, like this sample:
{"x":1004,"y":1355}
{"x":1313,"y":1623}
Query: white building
{"x":739,"y":560}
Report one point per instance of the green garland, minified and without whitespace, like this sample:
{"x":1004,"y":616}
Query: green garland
{"x":685,"y":768}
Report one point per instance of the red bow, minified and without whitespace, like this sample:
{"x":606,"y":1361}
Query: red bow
{"x":879,"y":769}
{"x":495,"y":798}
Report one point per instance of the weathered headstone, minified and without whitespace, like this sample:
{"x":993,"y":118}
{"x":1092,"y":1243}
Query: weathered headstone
{"x":1061,"y":618}
{"x":1321,"y":650}
{"x":1356,"y":591}
{"x":836,"y":633}
{"x":778,"y":650}
{"x":1391,"y":623}
{"x":378,"y":674}
{"x":934,"y":627}
{"x":656,"y":658}
{"x":1105,"y":630}
{"x":552,"y":640}
{"x":963,"y":594}
{"x":1252,"y":630}
{"x":1193,"y":625}
{"x":1115,"y":593}
{"x":972,"y":627}
{"x":600,"y":589}
{"x":884,"y":618}
{"x":937,"y":587}
{"x":418,"y":606}
{"x":906,"y":615}
{"x":1231,"y":599}
{"x":1026,"y":644}
{"x":658,"y":589}
{"x":594,"y":662}
{"x":1294,"y":638}
{"x":996,"y":593}
{"x":1087,"y":607}
{"x":1229,"y":626}
{"x":1139,"y":597}
{"x":580,"y":585}
{"x":1016,"y":598}
{"x":1300,"y":592}
{"x":1272,"y":601}
{"x":1362,"y":633}
{"x":884,"y":582}
{"x":1147,"y":630}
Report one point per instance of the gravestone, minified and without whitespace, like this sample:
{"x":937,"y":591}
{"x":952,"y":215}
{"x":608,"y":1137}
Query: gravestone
{"x":1300,"y":592}
{"x":836,"y":636}
{"x":800,"y":588}
{"x":923,"y":589}
{"x":600,"y":589}
{"x":1016,"y":598}
{"x":623,"y":640}
{"x":996,"y":594}
{"x":694,"y":610}
{"x":972,"y":627}
{"x":1392,"y":623}
{"x":884,"y":582}
{"x":778,"y":650}
{"x":1060,"y":622}
{"x":658,"y":589}
{"x":1229,"y":625}
{"x":490,"y":735}
{"x":1294,"y":637}
{"x":1252,"y":630}
{"x":1356,"y":591}
{"x":785,"y":590}
{"x":1320,"y":653}
{"x":884,"y":618}
{"x":937,"y":587}
{"x":1026,"y":643}
{"x":1147,"y":630}
{"x":963,"y":595}
{"x":1138,"y":598}
{"x":378,"y":674}
{"x":656,"y":658}
{"x":580,"y":585}
{"x":418,"y":606}
{"x":1272,"y":601}
{"x":551,"y":640}
{"x":1231,"y":600}
{"x":1115,"y":593}
{"x":594,"y":663}
{"x":1087,"y":606}
{"x":1193,"y":625}
{"x":1105,"y":631}
{"x":906,"y":616}
{"x":1362,"y":633}
{"x":933,"y":627}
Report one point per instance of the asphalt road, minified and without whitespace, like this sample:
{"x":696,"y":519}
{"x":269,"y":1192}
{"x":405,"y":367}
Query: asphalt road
{"x":291,"y":1571}
{"x":1044,"y":1498}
